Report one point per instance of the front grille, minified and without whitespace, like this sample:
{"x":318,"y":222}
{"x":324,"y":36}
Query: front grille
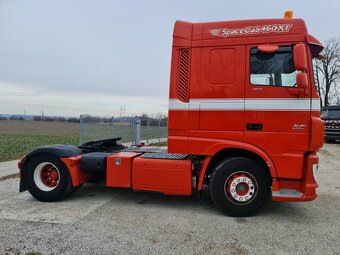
{"x":333,"y":124}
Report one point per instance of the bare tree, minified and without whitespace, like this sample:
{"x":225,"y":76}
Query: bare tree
{"x":144,"y":116}
{"x":327,"y":73}
{"x":161,"y":116}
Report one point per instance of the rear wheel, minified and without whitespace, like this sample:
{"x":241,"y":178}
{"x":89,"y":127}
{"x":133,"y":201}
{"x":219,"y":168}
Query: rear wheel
{"x":47,"y":178}
{"x":239,"y":186}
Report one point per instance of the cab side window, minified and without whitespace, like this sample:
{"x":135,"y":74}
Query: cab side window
{"x":273,"y":69}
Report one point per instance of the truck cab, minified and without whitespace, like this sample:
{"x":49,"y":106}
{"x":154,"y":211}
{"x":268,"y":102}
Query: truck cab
{"x":246,"y":88}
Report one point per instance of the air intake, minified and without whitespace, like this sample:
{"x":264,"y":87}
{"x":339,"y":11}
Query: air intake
{"x":183,"y":76}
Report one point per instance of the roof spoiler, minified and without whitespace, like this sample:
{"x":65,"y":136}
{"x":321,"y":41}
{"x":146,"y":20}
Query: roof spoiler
{"x":315,"y":46}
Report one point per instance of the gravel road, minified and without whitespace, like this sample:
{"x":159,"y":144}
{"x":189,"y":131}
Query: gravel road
{"x":99,"y":220}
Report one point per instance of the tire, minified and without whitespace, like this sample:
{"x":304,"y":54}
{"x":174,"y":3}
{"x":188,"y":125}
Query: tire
{"x":47,"y":178}
{"x":239,"y":186}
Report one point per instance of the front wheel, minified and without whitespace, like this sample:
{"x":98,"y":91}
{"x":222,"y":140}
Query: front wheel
{"x":239,"y":186}
{"x":47,"y":178}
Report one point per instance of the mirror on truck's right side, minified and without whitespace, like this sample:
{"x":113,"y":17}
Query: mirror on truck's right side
{"x":302,"y":82}
{"x":300,"y":57}
{"x":300,"y":64}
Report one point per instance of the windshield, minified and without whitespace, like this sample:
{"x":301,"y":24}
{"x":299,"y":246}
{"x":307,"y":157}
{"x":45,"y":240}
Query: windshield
{"x":330,"y":114}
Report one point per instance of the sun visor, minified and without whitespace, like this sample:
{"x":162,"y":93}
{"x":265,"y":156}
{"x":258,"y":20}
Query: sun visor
{"x":315,"y":45}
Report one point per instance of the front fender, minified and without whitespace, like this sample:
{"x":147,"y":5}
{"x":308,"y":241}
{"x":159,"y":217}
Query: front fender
{"x":213,"y":146}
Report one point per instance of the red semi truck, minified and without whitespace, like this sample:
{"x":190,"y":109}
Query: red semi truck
{"x":244,"y":118}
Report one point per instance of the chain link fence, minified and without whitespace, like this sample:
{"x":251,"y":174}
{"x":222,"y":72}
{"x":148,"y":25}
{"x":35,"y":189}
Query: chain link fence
{"x":154,"y":130}
{"x":150,"y":130}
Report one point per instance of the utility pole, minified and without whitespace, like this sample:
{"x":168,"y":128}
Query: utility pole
{"x":122,"y":111}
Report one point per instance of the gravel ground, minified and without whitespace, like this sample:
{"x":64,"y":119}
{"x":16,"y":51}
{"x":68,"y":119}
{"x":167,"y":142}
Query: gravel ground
{"x":99,"y":220}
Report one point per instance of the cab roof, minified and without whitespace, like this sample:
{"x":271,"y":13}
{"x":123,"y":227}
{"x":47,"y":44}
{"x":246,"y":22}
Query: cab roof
{"x":187,"y":32}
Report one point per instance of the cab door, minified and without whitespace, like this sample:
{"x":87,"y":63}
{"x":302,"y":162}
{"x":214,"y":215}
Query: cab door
{"x":217,"y":92}
{"x":277,"y":120}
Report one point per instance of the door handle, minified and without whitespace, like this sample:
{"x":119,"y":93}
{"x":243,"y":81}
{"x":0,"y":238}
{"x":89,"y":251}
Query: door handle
{"x":254,"y":126}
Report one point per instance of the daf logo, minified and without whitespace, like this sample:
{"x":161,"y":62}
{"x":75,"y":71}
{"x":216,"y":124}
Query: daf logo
{"x":298,"y":126}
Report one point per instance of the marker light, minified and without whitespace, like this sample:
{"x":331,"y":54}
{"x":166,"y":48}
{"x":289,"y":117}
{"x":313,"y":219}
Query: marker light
{"x":288,"y":14}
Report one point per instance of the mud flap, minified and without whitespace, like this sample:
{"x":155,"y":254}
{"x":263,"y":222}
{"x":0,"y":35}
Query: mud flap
{"x":22,"y":186}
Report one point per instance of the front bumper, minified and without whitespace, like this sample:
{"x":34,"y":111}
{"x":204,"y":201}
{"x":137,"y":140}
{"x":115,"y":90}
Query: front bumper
{"x":299,"y":190}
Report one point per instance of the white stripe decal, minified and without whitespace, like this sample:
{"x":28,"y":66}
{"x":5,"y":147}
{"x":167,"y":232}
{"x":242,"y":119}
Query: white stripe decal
{"x":175,"y":104}
{"x":281,"y":104}
{"x":216,"y":104}
{"x":263,"y":104}
{"x":316,"y":104}
{"x":222,"y":105}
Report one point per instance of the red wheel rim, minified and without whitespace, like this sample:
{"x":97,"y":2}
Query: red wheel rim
{"x":49,"y":176}
{"x":241,"y":188}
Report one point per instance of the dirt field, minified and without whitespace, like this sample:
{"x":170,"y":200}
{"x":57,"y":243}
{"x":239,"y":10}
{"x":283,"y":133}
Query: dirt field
{"x":99,"y":220}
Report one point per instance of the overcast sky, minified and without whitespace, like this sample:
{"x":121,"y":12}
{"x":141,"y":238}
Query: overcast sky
{"x":85,"y":56}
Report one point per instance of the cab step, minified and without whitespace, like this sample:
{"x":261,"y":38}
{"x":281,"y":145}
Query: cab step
{"x":289,"y":195}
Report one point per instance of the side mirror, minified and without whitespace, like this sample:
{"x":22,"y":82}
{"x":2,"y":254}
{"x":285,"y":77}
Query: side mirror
{"x":302,"y":85}
{"x":302,"y":80}
{"x":300,"y":57}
